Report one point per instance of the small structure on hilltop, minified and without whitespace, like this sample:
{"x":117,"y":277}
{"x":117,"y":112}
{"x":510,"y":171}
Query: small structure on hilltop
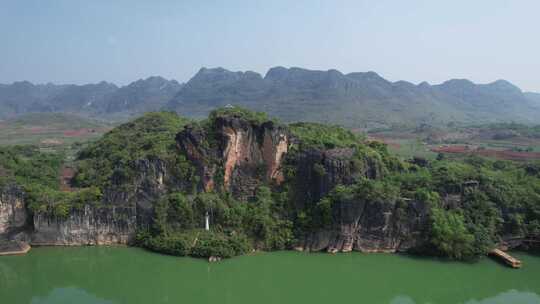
{"x":470,"y":185}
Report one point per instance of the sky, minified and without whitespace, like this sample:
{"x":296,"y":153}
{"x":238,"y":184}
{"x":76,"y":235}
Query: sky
{"x":76,"y":41}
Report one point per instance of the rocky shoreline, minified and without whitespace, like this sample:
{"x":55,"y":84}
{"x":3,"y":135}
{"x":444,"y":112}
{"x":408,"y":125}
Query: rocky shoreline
{"x":13,"y":248}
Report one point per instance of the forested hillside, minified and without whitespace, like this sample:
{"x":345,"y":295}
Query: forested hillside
{"x":265,"y":185}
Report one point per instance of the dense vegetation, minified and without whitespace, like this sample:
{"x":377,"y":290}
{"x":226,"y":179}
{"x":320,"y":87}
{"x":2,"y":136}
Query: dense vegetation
{"x":111,"y":160}
{"x":237,"y":227}
{"x":38,"y":175}
{"x":495,"y":198}
{"x":314,"y":135}
{"x":26,"y":166}
{"x":238,"y":112}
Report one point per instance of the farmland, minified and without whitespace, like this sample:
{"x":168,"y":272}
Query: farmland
{"x":498,"y":141}
{"x":51,"y":131}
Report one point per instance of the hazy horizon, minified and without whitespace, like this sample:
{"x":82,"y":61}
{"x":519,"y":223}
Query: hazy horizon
{"x":263,"y":74}
{"x":120,"y":42}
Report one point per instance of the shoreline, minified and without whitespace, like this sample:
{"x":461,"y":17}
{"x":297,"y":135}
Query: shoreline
{"x":14,"y":248}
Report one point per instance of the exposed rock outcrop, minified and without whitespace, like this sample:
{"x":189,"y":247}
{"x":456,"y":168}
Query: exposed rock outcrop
{"x":89,"y":226}
{"x":13,"y":214}
{"x":235,"y":153}
{"x":114,"y":221}
{"x":319,"y":171}
{"x":360,"y":226}
{"x":371,"y":227}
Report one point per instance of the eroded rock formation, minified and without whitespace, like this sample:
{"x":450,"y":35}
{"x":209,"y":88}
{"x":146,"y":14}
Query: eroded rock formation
{"x":370,"y":227}
{"x":362,"y":226}
{"x":89,"y":226}
{"x":242,"y":154}
{"x":235,"y":155}
{"x":13,"y":214}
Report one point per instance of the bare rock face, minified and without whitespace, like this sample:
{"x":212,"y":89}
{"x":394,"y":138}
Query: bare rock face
{"x":153,"y":179}
{"x":13,"y":214}
{"x":371,"y":227}
{"x":360,"y":226}
{"x":318,"y":171}
{"x":236,"y":154}
{"x":115,"y":221}
{"x":233,"y":155}
{"x":90,"y":226}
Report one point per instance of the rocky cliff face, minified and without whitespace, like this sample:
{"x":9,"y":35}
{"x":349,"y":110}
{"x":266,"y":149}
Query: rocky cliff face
{"x":13,"y":214}
{"x":115,"y":221}
{"x":89,"y":226}
{"x":318,"y":171}
{"x":236,"y":154}
{"x":363,"y":226}
{"x":154,"y":179}
{"x":371,"y":227}
{"x":239,"y":156}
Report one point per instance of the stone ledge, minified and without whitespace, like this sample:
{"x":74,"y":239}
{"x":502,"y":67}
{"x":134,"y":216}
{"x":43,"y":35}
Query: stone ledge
{"x":13,"y":248}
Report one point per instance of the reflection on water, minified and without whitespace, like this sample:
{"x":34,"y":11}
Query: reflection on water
{"x":402,"y":300}
{"x":512,"y":296}
{"x":70,"y":294}
{"x":67,"y":296}
{"x":91,"y":275}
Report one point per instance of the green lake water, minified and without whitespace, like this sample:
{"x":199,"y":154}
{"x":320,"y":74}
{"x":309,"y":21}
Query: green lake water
{"x":87,"y":275}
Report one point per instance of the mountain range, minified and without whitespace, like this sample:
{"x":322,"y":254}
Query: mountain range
{"x":102,"y":100}
{"x":359,"y":100}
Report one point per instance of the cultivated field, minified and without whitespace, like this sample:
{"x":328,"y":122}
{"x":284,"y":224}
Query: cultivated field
{"x":508,"y":142}
{"x":51,"y":131}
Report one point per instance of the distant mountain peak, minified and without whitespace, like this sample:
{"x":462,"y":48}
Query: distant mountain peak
{"x":276,"y":73}
{"x":367,"y":76}
{"x":290,"y":93}
{"x":458,"y":83}
{"x":502,"y":84}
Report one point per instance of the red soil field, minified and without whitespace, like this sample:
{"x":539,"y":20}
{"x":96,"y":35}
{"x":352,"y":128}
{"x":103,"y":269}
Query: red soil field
{"x":500,"y":154}
{"x":38,"y":130}
{"x":80,"y":132}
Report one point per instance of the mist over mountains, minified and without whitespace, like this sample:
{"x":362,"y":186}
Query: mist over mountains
{"x":358,"y":100}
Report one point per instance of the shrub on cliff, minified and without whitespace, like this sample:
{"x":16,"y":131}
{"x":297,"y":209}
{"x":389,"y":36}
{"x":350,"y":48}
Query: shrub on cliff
{"x":112,"y":157}
{"x":314,"y":135}
{"x":241,"y":113}
{"x":27,"y":166}
{"x":266,"y":222}
{"x":449,"y":235}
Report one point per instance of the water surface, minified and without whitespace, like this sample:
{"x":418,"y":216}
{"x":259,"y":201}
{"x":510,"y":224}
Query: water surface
{"x":89,"y":275}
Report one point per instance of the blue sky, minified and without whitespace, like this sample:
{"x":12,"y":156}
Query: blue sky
{"x":72,"y":41}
